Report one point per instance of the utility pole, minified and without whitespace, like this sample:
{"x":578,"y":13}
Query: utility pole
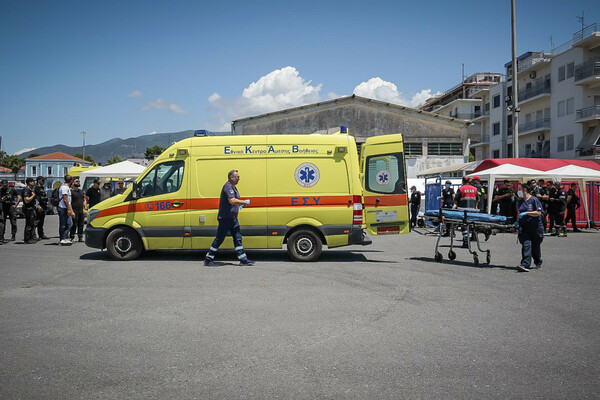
{"x":582,"y":23}
{"x":515,"y":87}
{"x":83,"y":133}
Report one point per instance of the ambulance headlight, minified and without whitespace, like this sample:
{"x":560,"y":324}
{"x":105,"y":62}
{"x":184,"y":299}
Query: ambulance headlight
{"x":91,"y":215}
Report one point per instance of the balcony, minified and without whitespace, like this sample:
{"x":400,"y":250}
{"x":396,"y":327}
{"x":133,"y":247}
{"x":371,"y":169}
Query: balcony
{"x":470,"y":116}
{"x":588,"y":37}
{"x":481,"y":114}
{"x":534,"y":126}
{"x":543,"y":154}
{"x":588,"y":114}
{"x":540,"y":88}
{"x":483,"y":140}
{"x":533,"y":60}
{"x":588,"y":73}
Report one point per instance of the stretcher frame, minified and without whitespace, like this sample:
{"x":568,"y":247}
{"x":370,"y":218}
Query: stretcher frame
{"x":467,"y":227}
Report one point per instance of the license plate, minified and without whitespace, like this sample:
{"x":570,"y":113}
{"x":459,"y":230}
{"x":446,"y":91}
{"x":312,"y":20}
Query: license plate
{"x":386,"y":216}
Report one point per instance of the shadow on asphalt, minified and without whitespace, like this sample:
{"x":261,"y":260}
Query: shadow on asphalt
{"x":461,"y":263}
{"x":229,"y":257}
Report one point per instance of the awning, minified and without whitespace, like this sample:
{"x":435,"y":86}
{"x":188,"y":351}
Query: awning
{"x":449,"y":169}
{"x":589,"y":139}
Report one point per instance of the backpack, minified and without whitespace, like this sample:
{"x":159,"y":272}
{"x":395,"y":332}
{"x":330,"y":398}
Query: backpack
{"x":55,"y":200}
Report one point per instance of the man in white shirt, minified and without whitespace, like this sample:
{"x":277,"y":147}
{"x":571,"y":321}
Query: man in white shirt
{"x":65,"y":211}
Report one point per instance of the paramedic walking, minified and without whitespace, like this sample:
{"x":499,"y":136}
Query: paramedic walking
{"x":229,"y":206}
{"x":531,"y":230}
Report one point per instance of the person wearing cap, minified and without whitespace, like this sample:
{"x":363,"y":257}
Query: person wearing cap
{"x":447,"y":201}
{"x":92,"y":195}
{"x":29,"y":206}
{"x":466,"y":197}
{"x":531,"y":231}
{"x":105,"y":191}
{"x":10,"y":198}
{"x":481,"y":193}
{"x":415,"y":205}
{"x":42,"y":207}
{"x":558,"y":203}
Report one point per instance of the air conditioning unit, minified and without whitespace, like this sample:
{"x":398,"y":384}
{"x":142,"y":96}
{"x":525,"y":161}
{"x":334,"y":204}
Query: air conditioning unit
{"x":532,"y":75}
{"x":541,"y":137}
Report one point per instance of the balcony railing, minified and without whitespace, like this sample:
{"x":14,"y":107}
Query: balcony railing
{"x":544,"y":154}
{"x":537,"y":124}
{"x":535,"y":58}
{"x":587,"y":69}
{"x":586,"y":32}
{"x":485,"y":138}
{"x":537,"y":88}
{"x":593,"y":111}
{"x":480,"y":113}
{"x":472,"y":115}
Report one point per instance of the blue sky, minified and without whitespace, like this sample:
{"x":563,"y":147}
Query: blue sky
{"x":128,"y":68}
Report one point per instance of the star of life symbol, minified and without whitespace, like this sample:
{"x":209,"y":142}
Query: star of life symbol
{"x":384,"y":177}
{"x":307,"y":175}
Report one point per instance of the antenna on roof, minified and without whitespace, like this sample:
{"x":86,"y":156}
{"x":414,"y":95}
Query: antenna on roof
{"x":581,"y":20}
{"x":551,"y":43}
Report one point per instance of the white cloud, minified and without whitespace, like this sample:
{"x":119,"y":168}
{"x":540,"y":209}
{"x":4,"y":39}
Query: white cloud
{"x":135,"y":93}
{"x":24,"y":150}
{"x":378,"y":89}
{"x":152,"y":133}
{"x":161,"y":104}
{"x":280,"y":89}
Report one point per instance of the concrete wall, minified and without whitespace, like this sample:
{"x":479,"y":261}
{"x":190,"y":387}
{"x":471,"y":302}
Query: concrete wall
{"x":365,"y":118}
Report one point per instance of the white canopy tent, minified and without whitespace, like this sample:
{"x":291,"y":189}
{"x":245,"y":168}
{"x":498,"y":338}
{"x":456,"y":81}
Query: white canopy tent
{"x":575,"y":173}
{"x":124,"y":170}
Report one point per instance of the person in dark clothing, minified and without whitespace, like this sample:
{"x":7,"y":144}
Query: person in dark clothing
{"x":78,"y":204}
{"x":572,"y":204}
{"x":543,"y":196}
{"x":466,"y":197}
{"x":92,"y":196}
{"x":42,"y":207}
{"x":558,"y":203}
{"x":229,"y":206}
{"x":505,"y":197}
{"x":29,"y":205}
{"x":531,"y":231}
{"x":10,"y":198}
{"x":481,"y":193}
{"x":119,"y":189}
{"x":415,"y":205}
{"x":447,"y":201}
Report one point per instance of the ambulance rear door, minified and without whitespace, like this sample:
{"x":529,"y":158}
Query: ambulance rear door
{"x":384,"y":185}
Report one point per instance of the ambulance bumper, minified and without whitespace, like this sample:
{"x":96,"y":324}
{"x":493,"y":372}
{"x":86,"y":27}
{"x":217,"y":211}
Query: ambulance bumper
{"x":94,"y":237}
{"x":359,"y":236}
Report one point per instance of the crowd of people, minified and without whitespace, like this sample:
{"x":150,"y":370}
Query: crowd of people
{"x":70,"y":201}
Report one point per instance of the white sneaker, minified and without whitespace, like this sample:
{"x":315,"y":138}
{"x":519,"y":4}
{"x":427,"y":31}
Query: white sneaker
{"x":63,"y":242}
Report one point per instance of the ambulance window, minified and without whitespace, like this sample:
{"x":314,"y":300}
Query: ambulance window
{"x":164,"y":178}
{"x":385,"y":174}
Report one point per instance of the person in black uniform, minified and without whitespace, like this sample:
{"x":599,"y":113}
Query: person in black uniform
{"x":10,"y":198}
{"x":558,"y":203}
{"x":42,"y":208}
{"x":29,"y":205}
{"x":92,"y":196}
{"x":447,"y":201}
{"x":78,"y":204}
{"x":507,"y":200}
{"x":415,"y":205}
{"x":543,"y":196}
{"x":572,"y":204}
{"x":229,"y":206}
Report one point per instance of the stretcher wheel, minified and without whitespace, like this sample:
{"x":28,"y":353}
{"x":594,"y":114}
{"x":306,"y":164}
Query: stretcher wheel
{"x":438,"y":256}
{"x":476,"y":260}
{"x":451,"y":255}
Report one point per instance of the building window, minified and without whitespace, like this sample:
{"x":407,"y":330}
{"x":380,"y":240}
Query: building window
{"x":570,"y":142}
{"x":528,"y":150}
{"x":561,"y":108}
{"x":570,"y":69}
{"x":413,"y":149}
{"x":33,"y":170}
{"x":49,"y":170}
{"x":496,"y":128}
{"x":496,"y":154}
{"x":444,"y":149}
{"x":509,"y":150}
{"x":561,"y":73}
{"x":497,"y":101}
{"x":561,"y":144}
{"x":66,"y":169}
{"x":570,"y":106}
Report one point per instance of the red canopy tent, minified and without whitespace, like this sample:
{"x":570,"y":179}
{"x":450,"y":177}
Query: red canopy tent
{"x":539,"y":164}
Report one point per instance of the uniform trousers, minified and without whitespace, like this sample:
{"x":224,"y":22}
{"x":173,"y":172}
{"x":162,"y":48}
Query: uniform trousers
{"x":40,"y":217}
{"x":232,"y":226}
{"x":571,"y":217}
{"x":9,"y":214}
{"x":78,"y":223}
{"x":29,"y":224}
{"x":531,"y":239}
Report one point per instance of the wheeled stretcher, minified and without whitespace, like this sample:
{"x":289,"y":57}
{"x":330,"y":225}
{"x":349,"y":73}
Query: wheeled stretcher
{"x":470,"y":222}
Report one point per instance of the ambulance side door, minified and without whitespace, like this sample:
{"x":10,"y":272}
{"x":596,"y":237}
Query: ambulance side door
{"x":384,"y":185}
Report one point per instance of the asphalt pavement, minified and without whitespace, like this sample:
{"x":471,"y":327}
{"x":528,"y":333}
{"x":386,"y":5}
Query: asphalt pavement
{"x":379,"y":322}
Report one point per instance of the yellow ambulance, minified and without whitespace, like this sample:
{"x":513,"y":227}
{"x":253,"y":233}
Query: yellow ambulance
{"x":306,"y":192}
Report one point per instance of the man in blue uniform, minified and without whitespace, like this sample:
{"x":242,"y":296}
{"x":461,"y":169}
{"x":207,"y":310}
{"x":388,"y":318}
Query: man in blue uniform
{"x":531,"y":230}
{"x":229,"y":206}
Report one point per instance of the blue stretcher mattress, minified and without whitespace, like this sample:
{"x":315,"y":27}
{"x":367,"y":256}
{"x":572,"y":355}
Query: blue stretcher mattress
{"x":471,"y":216}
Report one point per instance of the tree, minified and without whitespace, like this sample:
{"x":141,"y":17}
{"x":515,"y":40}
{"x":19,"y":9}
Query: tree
{"x":14,"y":163}
{"x":113,"y":160}
{"x":87,"y":158}
{"x":153,"y":151}
{"x":33,"y":155}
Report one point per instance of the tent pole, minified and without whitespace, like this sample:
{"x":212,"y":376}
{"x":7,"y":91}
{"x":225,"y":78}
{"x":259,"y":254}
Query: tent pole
{"x":491,"y":183}
{"x":583,"y":192}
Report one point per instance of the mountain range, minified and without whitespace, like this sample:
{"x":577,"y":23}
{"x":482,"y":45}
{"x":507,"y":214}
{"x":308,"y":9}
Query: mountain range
{"x":134,"y":147}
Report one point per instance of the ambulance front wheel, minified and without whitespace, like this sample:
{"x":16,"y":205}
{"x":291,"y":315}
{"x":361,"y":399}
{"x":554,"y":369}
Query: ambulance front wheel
{"x":124,"y":244}
{"x":304,"y":245}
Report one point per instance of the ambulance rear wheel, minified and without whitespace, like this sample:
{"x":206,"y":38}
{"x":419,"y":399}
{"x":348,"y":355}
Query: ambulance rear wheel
{"x":304,"y":245}
{"x":124,"y":244}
